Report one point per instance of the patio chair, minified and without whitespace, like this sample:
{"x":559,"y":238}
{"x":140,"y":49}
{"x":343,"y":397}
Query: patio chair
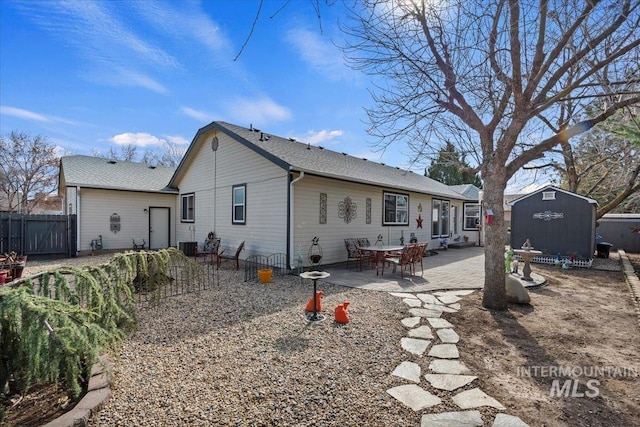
{"x":211,"y":246}
{"x":235,"y":257}
{"x":405,"y":259}
{"x":363,"y":242}
{"x":353,"y":251}
{"x":420,"y":252}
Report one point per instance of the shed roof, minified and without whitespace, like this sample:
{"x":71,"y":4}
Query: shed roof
{"x":97,"y":172}
{"x":549,"y":188}
{"x":298,"y":156}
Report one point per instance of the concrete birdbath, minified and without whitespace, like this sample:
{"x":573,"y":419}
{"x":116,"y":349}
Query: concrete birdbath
{"x":527,"y":253}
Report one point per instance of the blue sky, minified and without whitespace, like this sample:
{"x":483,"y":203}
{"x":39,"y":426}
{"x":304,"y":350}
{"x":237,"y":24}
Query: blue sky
{"x":90,"y":74}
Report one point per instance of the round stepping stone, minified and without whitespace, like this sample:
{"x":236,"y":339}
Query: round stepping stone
{"x":410,"y":322}
{"x":412,"y":302}
{"x":429,"y":299}
{"x":439,"y":323}
{"x":504,"y":420}
{"x":408,"y":370}
{"x":414,"y":397}
{"x":448,"y":298}
{"x":423,"y":312}
{"x":448,"y":382}
{"x":452,"y":419}
{"x":414,"y":345}
{"x":444,"y":351}
{"x":402,"y":295}
{"x":421,"y":332}
{"x":476,"y":398}
{"x":443,"y":366}
{"x":448,"y":336}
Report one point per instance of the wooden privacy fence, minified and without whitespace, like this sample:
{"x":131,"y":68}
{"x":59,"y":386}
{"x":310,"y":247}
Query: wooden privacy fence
{"x":38,"y":234}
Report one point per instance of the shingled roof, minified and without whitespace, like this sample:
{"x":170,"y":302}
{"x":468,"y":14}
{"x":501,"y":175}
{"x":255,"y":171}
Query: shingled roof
{"x":97,"y":172}
{"x":303,"y":157}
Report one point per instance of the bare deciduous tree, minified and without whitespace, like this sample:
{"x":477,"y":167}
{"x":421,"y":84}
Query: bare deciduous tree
{"x":28,"y":171}
{"x":508,"y":80}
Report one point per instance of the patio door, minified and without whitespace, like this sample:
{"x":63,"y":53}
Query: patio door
{"x":159,"y":228}
{"x":440,"y":218}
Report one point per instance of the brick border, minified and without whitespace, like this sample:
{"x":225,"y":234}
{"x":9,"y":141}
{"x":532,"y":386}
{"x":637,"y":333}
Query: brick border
{"x":98,"y":394}
{"x":632,"y":280}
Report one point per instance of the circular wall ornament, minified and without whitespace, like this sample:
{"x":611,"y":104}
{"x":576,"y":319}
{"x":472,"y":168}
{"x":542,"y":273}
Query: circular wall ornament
{"x":214,"y":143}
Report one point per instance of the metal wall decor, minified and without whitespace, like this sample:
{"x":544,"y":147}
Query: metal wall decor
{"x":368,"y":210}
{"x":323,"y":208}
{"x":548,"y":215}
{"x":114,"y":222}
{"x":347,"y":210}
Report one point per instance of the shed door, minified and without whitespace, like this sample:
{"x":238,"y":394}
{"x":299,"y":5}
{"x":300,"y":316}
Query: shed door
{"x":158,"y":228}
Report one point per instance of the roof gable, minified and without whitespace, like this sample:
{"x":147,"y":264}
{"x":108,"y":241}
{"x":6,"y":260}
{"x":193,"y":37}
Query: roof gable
{"x":297,"y":156}
{"x":97,"y":172}
{"x":552,"y":188}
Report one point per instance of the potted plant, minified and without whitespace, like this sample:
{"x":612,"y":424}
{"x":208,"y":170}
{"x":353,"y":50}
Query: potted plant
{"x":466,"y":238}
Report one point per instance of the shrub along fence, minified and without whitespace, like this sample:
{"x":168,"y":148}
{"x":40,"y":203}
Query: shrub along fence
{"x":55,"y":324}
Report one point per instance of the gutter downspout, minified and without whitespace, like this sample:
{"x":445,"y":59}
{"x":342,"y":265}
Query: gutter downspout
{"x":292,"y":249}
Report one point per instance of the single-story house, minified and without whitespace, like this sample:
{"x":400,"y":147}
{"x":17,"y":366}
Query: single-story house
{"x":120,"y":201}
{"x":556,"y":221}
{"x":275,"y":194}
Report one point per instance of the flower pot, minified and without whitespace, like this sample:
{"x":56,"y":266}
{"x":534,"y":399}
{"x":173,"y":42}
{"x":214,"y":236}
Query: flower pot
{"x":265,"y":275}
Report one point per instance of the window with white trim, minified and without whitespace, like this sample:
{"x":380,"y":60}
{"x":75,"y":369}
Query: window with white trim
{"x":239,"y":202}
{"x":471,"y":216}
{"x":440,"y":218}
{"x":188,"y":207}
{"x":396,"y":209}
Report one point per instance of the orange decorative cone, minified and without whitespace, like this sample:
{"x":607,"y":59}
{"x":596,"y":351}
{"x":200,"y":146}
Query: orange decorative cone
{"x":341,"y":313}
{"x":309,"y":306}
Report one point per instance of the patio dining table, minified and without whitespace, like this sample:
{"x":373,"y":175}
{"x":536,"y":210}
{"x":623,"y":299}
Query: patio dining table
{"x":379,"y":253}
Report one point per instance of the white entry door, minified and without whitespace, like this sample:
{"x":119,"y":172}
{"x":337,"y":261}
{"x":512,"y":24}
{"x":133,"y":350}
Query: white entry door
{"x":159,"y":228}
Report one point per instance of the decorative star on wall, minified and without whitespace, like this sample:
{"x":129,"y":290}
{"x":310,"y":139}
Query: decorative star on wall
{"x":419,"y":221}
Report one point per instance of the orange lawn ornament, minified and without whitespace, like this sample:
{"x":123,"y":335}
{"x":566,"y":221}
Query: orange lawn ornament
{"x":341,"y":313}
{"x":310,"y":303}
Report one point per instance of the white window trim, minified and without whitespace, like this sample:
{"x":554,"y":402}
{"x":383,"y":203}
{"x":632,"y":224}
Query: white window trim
{"x":184,"y":216}
{"x":243,"y":204}
{"x":465,"y":216}
{"x":548,"y":195}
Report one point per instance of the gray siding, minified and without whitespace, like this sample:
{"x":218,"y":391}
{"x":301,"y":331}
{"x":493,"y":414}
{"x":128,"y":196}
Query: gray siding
{"x":560,"y":226}
{"x":618,"y":230}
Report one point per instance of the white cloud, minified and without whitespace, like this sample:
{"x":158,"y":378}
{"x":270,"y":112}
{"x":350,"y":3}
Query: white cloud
{"x":177,"y":140}
{"x":314,"y":138}
{"x":201,"y":116}
{"x":30,"y":115}
{"x":139,"y":139}
{"x":319,"y":53}
{"x":260,"y":111}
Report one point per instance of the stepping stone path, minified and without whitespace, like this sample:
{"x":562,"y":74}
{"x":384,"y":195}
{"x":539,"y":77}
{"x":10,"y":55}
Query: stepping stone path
{"x":426,"y":330}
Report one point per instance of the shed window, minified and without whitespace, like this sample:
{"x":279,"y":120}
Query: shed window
{"x":548,"y":195}
{"x":471,"y":216}
{"x":396,"y":209}
{"x":239,"y":204}
{"x":188,"y":207}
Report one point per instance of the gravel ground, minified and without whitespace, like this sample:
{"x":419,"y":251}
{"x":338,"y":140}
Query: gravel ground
{"x":243,"y":354}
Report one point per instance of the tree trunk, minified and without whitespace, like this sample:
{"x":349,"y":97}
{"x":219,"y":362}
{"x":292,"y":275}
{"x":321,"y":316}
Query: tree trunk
{"x":494,"y":297}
